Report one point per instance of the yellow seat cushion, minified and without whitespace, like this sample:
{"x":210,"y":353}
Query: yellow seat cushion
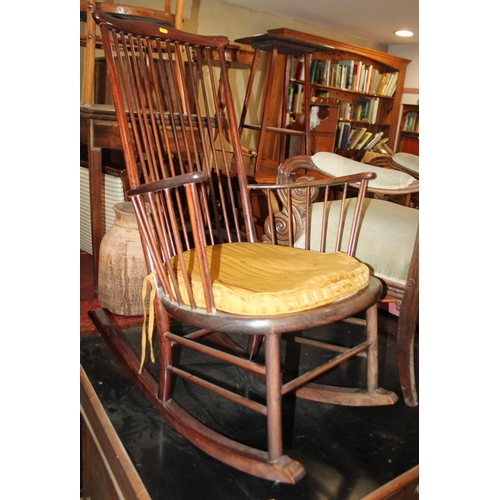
{"x":261,"y":279}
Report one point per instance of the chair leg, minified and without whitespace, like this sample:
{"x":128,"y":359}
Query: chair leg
{"x":372,"y":352}
{"x":405,"y":356}
{"x":372,"y":395}
{"x":272,"y":465}
{"x":273,"y":392}
{"x":165,"y":353}
{"x":406,"y":364}
{"x":406,"y":332}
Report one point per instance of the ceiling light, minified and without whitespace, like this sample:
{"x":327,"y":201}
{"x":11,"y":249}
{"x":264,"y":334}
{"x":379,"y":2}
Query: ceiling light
{"x":404,"y":33}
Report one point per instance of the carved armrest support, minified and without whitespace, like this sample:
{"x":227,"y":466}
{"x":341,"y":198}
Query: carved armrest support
{"x":298,"y":184}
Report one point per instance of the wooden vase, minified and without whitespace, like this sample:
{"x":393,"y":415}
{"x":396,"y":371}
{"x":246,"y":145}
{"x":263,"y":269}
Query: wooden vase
{"x":122,"y":267}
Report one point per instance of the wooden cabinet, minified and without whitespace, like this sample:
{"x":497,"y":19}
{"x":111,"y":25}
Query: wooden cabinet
{"x":408,"y":141}
{"x":347,"y":104}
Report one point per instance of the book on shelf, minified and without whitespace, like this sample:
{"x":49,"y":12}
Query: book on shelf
{"x":411,"y":121}
{"x":381,"y":83}
{"x":386,"y":84}
{"x":364,"y":139}
{"x":356,"y":75}
{"x":312,"y":70}
{"x":342,"y":136}
{"x":387,"y":81}
{"x":352,"y":132}
{"x":368,"y":73}
{"x":358,"y":133}
{"x":325,"y":76}
{"x":289,"y":101}
{"x":300,"y":73}
{"x":293,"y":65}
{"x":338,"y":135}
{"x":373,"y":142}
{"x":297,"y":70}
{"x":374,"y":82}
{"x":349,"y":68}
{"x":391,"y":85}
{"x":345,"y":135}
{"x":298,"y":98}
{"x":339,"y":76}
{"x":373,"y":109}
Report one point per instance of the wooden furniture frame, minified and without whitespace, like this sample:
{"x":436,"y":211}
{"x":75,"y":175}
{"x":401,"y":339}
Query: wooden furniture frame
{"x":333,"y":50}
{"x":410,"y":196}
{"x":389,"y":162}
{"x":405,"y":297}
{"x":411,"y":135}
{"x":192,"y":200}
{"x":277,"y":46}
{"x":98,"y":121}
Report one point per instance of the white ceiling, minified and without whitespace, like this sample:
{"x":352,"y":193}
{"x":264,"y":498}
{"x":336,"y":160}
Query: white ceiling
{"x":374,"y":20}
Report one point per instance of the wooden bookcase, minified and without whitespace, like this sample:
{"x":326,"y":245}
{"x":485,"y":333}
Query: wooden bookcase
{"x":281,"y":130}
{"x":409,"y":129}
{"x":346,"y":98}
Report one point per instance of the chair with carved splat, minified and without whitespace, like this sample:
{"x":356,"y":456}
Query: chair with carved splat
{"x":208,"y":271}
{"x":388,"y":240}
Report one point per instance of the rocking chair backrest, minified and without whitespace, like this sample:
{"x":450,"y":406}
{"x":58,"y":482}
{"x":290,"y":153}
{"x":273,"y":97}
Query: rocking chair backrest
{"x":176,"y":116}
{"x":185,"y":166}
{"x":181,"y":145}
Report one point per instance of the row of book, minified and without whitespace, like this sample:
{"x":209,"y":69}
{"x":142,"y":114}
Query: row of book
{"x":350,"y":137}
{"x":365,"y":110}
{"x":410,"y":122}
{"x":295,"y":99}
{"x":346,"y":75}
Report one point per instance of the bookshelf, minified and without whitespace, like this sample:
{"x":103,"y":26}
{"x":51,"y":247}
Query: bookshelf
{"x":361,"y":87}
{"x":409,"y":129}
{"x":285,"y":122}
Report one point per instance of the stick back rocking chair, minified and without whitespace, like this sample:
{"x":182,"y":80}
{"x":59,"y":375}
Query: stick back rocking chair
{"x":208,"y":270}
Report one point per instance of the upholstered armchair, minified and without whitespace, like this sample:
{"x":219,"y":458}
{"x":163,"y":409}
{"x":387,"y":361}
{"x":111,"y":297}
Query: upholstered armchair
{"x":404,"y":162}
{"x":388,"y":240}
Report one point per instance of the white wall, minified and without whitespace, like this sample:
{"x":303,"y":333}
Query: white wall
{"x":411,"y":80}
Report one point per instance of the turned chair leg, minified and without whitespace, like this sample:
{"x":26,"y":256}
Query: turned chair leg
{"x":372,"y":353}
{"x":165,"y":353}
{"x":273,"y":392}
{"x":405,"y":343}
{"x":407,"y":325}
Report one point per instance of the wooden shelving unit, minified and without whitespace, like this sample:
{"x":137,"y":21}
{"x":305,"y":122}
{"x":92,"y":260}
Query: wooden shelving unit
{"x":276,"y":134}
{"x":335,"y":100}
{"x":408,"y":141}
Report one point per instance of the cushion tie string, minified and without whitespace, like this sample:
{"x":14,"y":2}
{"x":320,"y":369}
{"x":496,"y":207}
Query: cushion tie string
{"x":148,"y":279}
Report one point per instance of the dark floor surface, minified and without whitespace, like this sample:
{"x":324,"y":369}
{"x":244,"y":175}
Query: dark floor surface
{"x":347,"y":451}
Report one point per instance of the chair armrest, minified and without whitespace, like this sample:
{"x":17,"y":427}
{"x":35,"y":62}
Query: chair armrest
{"x":388,"y":181}
{"x":172,"y":182}
{"x":403,"y":162}
{"x":290,"y":199}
